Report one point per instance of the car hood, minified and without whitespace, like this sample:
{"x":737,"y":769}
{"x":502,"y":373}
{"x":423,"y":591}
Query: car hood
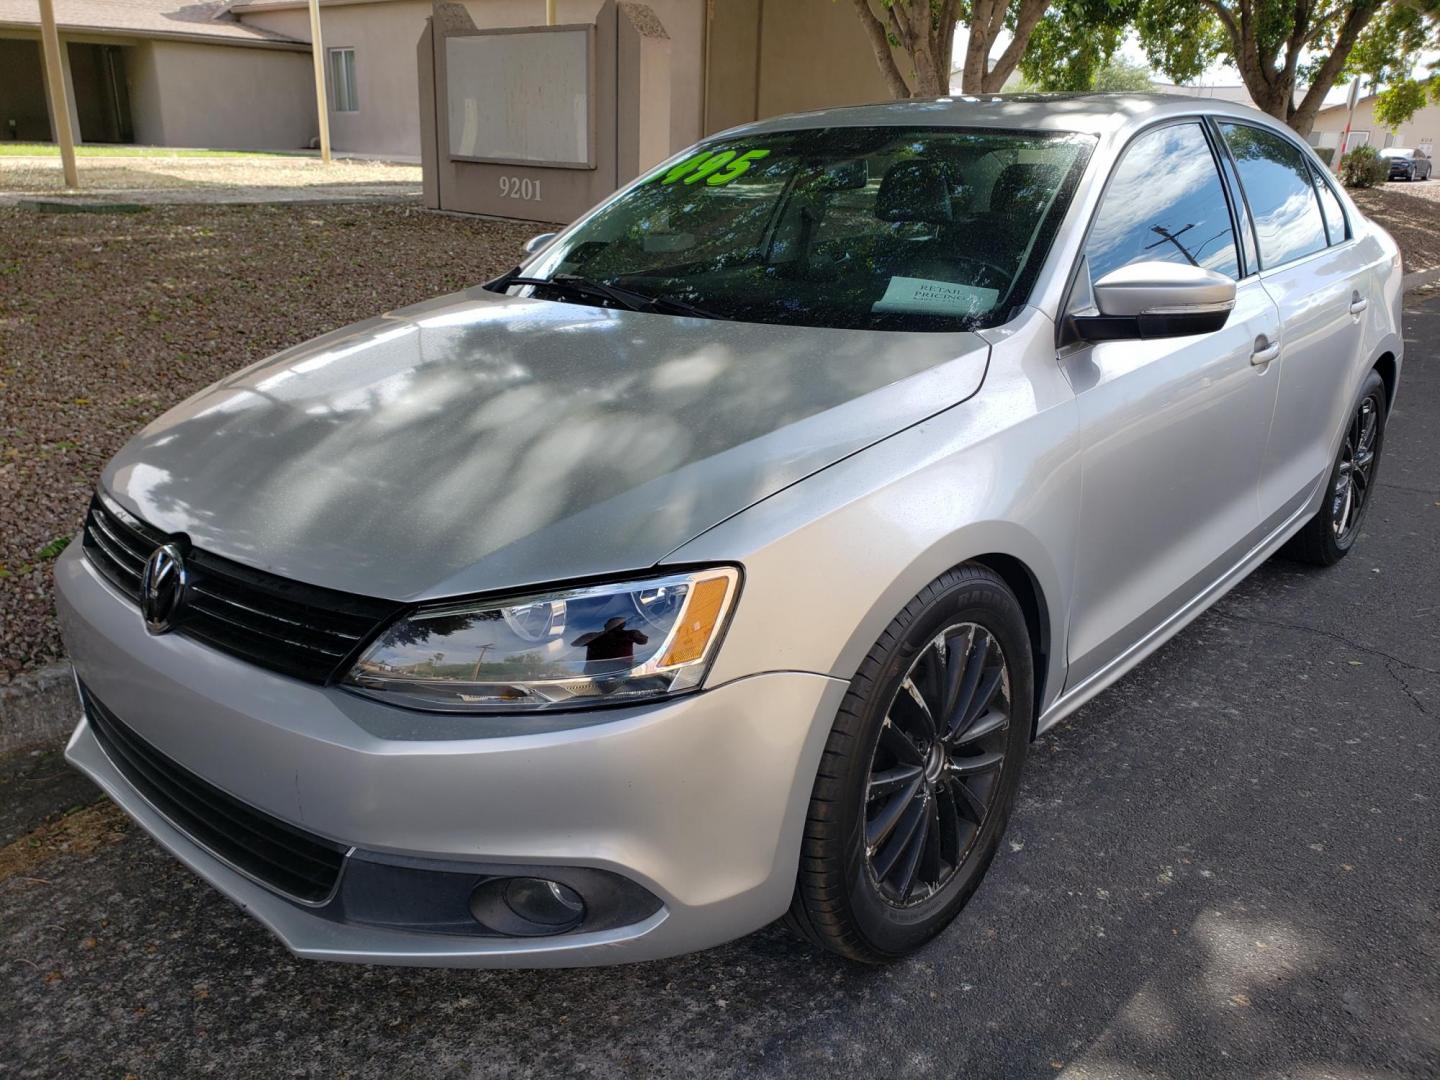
{"x":481,"y":441}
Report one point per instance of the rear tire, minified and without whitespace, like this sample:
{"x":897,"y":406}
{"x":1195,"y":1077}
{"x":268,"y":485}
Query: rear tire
{"x":903,"y":824}
{"x":1331,"y":533}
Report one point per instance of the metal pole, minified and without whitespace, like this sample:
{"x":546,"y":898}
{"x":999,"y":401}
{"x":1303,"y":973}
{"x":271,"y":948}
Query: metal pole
{"x":1352,"y":99}
{"x":59,"y":97}
{"x":322,"y":108}
{"x":549,"y":12}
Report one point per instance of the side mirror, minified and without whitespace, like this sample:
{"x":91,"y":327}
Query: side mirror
{"x":1155,"y":300}
{"x":535,"y":243}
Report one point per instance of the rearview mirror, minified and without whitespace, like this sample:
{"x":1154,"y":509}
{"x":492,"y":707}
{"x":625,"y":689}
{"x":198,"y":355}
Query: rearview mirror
{"x":535,"y":243}
{"x":844,"y":175}
{"x":1155,"y":300}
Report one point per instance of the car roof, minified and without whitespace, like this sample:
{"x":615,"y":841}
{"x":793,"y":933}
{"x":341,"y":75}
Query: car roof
{"x":1091,"y":113}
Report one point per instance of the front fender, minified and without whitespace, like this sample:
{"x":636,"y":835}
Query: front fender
{"x":830,"y":561}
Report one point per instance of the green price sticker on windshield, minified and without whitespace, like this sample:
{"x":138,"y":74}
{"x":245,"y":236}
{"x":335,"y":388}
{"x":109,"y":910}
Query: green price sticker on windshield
{"x":716,"y":169}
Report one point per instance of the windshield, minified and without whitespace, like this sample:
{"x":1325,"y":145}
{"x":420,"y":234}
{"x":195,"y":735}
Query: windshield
{"x":888,"y":228}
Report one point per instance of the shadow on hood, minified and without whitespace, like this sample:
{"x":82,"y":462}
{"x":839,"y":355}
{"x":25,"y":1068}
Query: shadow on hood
{"x":481,"y":442}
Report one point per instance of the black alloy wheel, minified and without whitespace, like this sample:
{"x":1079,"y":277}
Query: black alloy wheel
{"x":1353,"y":479}
{"x":920,"y":771}
{"x":933,"y":775}
{"x":1326,"y":538}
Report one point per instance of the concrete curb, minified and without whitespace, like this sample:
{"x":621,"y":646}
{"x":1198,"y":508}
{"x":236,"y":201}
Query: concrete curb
{"x":240,"y":196}
{"x":37,"y":706}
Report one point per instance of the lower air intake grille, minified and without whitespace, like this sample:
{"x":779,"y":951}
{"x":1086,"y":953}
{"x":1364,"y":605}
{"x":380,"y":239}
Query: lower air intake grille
{"x":288,"y":860}
{"x":296,"y":629}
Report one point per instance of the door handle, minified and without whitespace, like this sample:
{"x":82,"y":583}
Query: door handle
{"x":1264,"y":351}
{"x":1357,"y":303}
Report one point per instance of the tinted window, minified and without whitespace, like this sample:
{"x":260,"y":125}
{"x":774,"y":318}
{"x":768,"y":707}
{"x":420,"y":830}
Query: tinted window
{"x":1281,"y":194}
{"x":1247,"y":230}
{"x":1164,"y":202}
{"x":882,"y":228}
{"x":1334,"y":216}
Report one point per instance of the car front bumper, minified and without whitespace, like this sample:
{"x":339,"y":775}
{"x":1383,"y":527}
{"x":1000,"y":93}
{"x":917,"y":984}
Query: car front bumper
{"x":700,"y":800}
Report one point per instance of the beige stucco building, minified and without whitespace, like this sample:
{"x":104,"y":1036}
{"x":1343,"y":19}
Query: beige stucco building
{"x":238,"y":74}
{"x":156,"y":73}
{"x":730,"y":60}
{"x":1421,"y":130}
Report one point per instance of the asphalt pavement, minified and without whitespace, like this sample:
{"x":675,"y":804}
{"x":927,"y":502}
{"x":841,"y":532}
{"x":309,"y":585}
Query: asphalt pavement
{"x":1227,"y":865}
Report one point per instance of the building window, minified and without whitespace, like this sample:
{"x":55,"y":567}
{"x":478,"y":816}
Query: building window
{"x":342,"y":78}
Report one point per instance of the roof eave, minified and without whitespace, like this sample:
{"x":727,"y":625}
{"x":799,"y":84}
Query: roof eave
{"x":201,"y":38}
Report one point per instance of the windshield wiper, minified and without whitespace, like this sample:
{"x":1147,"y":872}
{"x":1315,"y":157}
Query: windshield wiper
{"x":626,"y":298}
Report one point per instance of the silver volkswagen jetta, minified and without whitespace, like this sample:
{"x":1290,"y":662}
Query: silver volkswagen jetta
{"x":721,"y":561}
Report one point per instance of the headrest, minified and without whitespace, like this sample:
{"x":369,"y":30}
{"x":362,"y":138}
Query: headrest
{"x":1022,"y":185}
{"x":914,"y":191}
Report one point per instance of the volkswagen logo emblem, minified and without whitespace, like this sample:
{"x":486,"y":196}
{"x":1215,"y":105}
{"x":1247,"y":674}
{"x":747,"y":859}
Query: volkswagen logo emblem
{"x":162,"y":588}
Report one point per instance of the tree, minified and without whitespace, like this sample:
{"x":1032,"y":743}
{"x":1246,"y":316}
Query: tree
{"x":1277,"y":45}
{"x":1388,"y":54}
{"x":923,"y":32}
{"x":1122,"y":76}
{"x":1399,"y":102}
{"x":1073,"y":48}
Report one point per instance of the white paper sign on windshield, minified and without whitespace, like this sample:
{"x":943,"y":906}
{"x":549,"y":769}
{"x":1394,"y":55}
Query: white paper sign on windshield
{"x":927,"y":297}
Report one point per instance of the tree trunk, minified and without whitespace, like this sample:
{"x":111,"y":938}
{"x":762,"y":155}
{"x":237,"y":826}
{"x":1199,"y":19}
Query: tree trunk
{"x":1271,"y":86}
{"x":880,"y":46}
{"x":1302,"y":117}
{"x":977,"y":57}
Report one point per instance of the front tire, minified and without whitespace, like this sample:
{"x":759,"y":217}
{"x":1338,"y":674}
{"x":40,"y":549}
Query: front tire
{"x":920,"y":771}
{"x":1331,"y":533}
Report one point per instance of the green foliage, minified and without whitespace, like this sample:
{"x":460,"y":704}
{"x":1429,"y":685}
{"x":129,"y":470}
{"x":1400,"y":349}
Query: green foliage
{"x":1289,"y":54}
{"x":1398,"y":103}
{"x":1122,"y":76}
{"x":1180,"y":38}
{"x":1389,"y":52}
{"x":1363,"y":167}
{"x":1075,"y":42}
{"x":53,"y":549}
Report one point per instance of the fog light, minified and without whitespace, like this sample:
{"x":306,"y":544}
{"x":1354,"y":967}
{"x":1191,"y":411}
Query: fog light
{"x":527,"y":906}
{"x":545,"y":902}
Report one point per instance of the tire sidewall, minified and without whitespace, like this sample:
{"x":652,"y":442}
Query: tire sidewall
{"x":1373,"y":384}
{"x":892,"y":930}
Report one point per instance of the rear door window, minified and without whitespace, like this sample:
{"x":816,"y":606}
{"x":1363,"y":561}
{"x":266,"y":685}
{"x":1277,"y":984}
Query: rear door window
{"x":1330,"y":207}
{"x":1281,"y":193}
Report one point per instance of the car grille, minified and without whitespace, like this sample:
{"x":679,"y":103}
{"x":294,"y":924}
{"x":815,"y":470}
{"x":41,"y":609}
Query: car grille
{"x":299,"y":630}
{"x":288,"y":860}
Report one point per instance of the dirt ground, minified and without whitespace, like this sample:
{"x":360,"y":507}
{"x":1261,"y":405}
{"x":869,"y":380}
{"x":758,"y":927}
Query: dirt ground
{"x":1412,"y":214}
{"x":106,"y":320}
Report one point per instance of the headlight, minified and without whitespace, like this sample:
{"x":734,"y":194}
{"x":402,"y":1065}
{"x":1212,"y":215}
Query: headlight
{"x":602,"y":644}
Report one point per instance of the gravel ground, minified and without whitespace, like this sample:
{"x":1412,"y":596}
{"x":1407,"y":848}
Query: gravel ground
{"x":1412,"y":214}
{"x":107,"y":320}
{"x":99,"y":175}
